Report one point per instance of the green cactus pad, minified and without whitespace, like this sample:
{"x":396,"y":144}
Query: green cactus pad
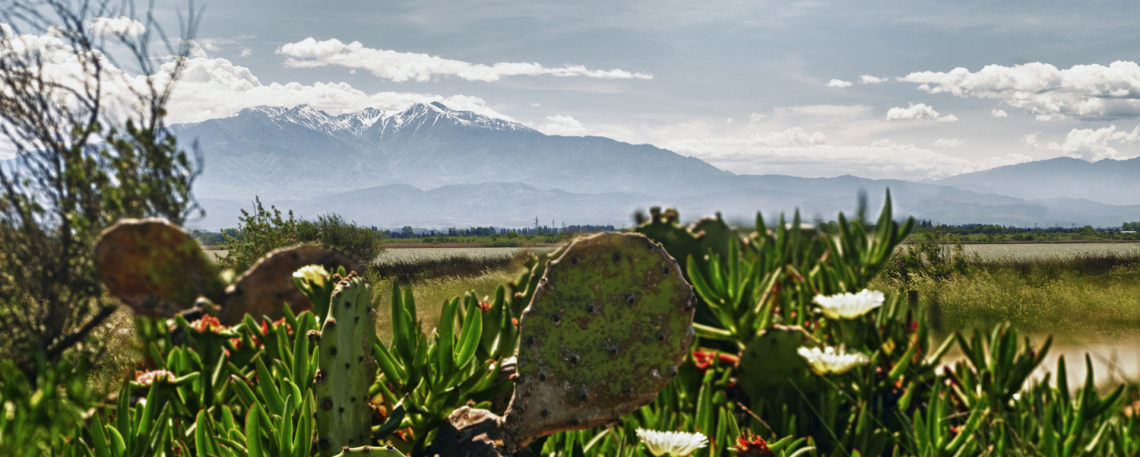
{"x":771,"y":363}
{"x":155,"y":267}
{"x":714,"y":234}
{"x":607,"y":328}
{"x":262,"y":289}
{"x":345,"y":368}
{"x":678,"y":241}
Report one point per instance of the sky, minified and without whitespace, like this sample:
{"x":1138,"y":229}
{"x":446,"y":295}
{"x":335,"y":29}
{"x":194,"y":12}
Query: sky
{"x":902,"y":90}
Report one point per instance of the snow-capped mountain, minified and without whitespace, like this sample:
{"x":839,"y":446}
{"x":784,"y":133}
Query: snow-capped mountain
{"x":431,"y":165}
{"x":300,"y":152}
{"x":360,"y":123}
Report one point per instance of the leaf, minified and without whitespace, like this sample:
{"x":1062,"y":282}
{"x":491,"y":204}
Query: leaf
{"x":469,"y":338}
{"x":253,"y":431}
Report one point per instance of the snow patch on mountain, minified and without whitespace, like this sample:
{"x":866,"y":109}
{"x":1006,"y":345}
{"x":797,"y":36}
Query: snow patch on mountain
{"x":360,"y":122}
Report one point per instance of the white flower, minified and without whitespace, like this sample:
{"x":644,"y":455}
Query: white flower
{"x":313,"y":274}
{"x":831,"y":361}
{"x":847,"y":305}
{"x":671,"y":443}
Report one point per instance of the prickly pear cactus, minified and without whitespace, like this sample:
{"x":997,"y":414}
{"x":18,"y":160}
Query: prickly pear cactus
{"x":771,"y":364}
{"x":268,"y":284}
{"x":678,"y":241}
{"x":608,"y":326}
{"x":714,"y":234}
{"x":155,"y":267}
{"x":345,"y":367}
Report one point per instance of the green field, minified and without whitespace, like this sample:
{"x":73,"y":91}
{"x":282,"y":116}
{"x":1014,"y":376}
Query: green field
{"x":429,"y":253}
{"x":1045,"y":250}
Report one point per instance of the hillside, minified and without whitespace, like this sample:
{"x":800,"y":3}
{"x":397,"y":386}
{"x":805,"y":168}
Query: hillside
{"x":433,"y":166}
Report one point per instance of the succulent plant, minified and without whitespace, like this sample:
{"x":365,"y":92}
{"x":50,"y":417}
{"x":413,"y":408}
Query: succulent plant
{"x":610,"y":322}
{"x":262,"y":289}
{"x":771,"y":366}
{"x":346,"y":368}
{"x":677,"y":240}
{"x":157,"y":269}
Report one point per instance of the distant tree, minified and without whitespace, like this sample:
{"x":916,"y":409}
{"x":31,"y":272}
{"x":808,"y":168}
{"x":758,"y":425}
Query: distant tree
{"x":407,"y":231}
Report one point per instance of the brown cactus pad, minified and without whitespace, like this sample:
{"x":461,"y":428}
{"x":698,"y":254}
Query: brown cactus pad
{"x":155,"y":267}
{"x":268,"y":284}
{"x":608,"y":326}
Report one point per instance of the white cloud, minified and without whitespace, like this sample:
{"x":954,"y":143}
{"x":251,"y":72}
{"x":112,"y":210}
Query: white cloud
{"x":563,"y":125}
{"x":404,"y":66}
{"x":535,"y":105}
{"x":917,"y":112}
{"x":246,"y":52}
{"x":794,"y":151}
{"x":729,"y":121}
{"x":868,"y":79}
{"x":832,"y":111}
{"x":1088,"y":144}
{"x":838,"y":83}
{"x":998,"y":113}
{"x":1087,"y":92}
{"x":212,"y":88}
{"x":945,"y":143}
{"x":121,"y":25}
{"x":756,"y":117}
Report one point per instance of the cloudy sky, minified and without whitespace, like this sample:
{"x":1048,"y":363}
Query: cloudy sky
{"x":910,"y":90}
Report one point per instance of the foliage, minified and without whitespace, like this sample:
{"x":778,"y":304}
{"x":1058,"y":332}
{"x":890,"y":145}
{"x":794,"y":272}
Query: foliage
{"x":248,"y":389}
{"x":79,"y":167}
{"x":931,"y":254}
{"x":265,"y":230}
{"x":1088,"y":295}
{"x":39,"y":413}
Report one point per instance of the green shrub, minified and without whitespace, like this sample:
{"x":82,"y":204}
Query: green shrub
{"x":265,"y":230}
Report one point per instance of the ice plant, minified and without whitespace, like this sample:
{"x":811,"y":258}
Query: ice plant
{"x":208,"y":323}
{"x":749,"y":445}
{"x":830,"y":360}
{"x":674,"y":444}
{"x":847,"y":305}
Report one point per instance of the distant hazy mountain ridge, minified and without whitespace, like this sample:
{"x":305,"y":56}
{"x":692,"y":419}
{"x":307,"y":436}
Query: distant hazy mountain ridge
{"x":429,"y":165}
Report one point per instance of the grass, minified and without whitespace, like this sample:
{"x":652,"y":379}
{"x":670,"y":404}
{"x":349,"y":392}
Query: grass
{"x":1087,"y":295}
{"x":410,"y":265}
{"x":430,"y":295}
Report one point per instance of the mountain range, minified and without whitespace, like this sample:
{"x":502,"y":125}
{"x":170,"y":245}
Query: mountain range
{"x":431,"y":166}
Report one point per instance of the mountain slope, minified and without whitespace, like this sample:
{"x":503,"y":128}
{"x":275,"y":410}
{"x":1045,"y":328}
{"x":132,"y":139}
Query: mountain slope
{"x":1107,"y":181}
{"x":300,"y":152}
{"x":433,"y":166}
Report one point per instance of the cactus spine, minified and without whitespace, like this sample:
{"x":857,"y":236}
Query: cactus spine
{"x":346,"y":368}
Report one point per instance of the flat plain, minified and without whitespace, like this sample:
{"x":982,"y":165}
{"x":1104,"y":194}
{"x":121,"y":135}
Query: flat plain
{"x":1032,"y":251}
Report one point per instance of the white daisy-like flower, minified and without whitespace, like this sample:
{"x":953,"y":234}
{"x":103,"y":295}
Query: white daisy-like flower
{"x":848,"y":305}
{"x":674,"y":444}
{"x":313,"y":274}
{"x":830,"y":360}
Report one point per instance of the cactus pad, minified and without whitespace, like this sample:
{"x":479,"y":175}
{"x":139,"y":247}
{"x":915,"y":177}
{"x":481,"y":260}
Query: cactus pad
{"x":714,"y":234}
{"x":155,"y":267}
{"x":346,"y":368}
{"x":678,"y":241}
{"x":771,"y":363}
{"x":608,"y":326}
{"x":262,"y":289}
